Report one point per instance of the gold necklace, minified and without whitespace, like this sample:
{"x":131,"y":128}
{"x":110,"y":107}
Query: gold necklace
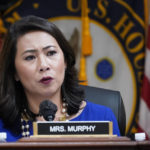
{"x":64,"y":112}
{"x":25,"y":121}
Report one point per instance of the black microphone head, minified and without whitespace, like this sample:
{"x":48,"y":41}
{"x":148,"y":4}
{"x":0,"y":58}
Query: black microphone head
{"x":47,"y":109}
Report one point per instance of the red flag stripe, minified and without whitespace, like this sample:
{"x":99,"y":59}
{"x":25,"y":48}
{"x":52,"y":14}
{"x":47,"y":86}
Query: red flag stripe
{"x":144,"y":117}
{"x":146,"y":91}
{"x":147,"y":63}
{"x":148,"y":38}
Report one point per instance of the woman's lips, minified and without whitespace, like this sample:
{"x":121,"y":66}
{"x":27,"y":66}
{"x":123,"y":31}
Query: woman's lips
{"x":46,"y":80}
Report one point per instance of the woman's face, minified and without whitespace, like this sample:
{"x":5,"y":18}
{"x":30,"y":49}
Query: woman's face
{"x":40,"y":64}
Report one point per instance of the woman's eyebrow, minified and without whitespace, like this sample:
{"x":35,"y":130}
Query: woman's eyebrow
{"x":29,"y":51}
{"x":47,"y":47}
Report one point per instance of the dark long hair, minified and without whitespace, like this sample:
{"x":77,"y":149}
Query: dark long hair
{"x":12,"y":97}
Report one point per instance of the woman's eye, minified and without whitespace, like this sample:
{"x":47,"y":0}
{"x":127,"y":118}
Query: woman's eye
{"x":51,"y":53}
{"x":30,"y":57}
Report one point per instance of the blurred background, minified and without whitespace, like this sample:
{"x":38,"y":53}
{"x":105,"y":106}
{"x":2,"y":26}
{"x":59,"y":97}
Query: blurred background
{"x":111,"y":41}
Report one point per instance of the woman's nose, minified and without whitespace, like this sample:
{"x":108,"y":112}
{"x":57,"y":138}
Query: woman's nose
{"x":44,"y":69}
{"x":44,"y":65}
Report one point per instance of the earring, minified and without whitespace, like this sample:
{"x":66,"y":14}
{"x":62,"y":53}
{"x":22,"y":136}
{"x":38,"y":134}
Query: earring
{"x":16,"y":78}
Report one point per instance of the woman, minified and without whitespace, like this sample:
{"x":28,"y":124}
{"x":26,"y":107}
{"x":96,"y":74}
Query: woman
{"x":37,"y":63}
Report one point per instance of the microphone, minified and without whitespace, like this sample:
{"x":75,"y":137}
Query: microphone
{"x":47,"y":109}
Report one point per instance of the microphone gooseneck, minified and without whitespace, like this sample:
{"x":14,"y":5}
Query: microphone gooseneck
{"x":47,"y":109}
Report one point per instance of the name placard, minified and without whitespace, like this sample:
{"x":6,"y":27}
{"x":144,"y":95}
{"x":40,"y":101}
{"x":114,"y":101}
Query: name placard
{"x":73,"y":128}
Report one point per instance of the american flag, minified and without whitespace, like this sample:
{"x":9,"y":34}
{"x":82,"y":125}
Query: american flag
{"x":144,"y":112}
